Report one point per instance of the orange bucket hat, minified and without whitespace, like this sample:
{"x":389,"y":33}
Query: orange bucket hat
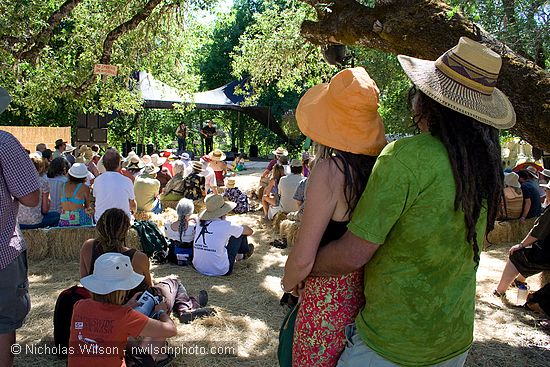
{"x":343,"y":114}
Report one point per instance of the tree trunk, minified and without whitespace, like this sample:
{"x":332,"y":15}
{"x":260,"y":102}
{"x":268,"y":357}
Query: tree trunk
{"x":425,"y":29}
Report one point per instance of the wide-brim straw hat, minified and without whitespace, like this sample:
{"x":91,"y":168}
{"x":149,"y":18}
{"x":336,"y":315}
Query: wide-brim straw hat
{"x":197,"y":166}
{"x":150,"y":169}
{"x":280,"y":151}
{"x":343,"y":114}
{"x":112,"y":272}
{"x":78,"y":170}
{"x":88,"y":155}
{"x":216,"y":207}
{"x":464,"y":79}
{"x":157,"y":160}
{"x":5,"y":99}
{"x":512,"y":179}
{"x":133,"y":162}
{"x":217,"y":155}
{"x":230,"y":183}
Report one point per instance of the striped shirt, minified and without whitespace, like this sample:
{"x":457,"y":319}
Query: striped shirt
{"x":18,"y":178}
{"x":56,"y":190}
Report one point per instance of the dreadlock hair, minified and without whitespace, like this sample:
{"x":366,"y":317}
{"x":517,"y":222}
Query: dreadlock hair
{"x":356,"y":169}
{"x":112,"y":227}
{"x":184,"y":208}
{"x":474,"y":154}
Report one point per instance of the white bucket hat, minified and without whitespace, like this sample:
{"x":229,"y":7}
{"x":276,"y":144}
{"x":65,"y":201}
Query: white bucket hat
{"x":512,"y":179}
{"x":78,"y":170}
{"x":464,"y":79}
{"x":112,"y":272}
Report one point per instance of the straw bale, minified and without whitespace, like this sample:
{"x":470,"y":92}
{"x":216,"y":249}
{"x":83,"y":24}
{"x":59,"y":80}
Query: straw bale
{"x":544,"y":278}
{"x":37,"y":243}
{"x":65,"y":242}
{"x":289,"y":230}
{"x":509,"y":232}
{"x":169,"y":204}
{"x":199,"y":205}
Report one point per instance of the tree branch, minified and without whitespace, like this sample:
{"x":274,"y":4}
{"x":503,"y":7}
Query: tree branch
{"x":424,"y":29}
{"x":111,"y":38}
{"x":37,"y":43}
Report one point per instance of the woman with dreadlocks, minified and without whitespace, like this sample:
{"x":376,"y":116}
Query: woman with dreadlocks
{"x":421,"y":220}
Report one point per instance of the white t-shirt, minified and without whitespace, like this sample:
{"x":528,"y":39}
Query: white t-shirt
{"x":187,"y":236}
{"x":210,"y":251}
{"x":287,"y":188}
{"x":112,"y":190}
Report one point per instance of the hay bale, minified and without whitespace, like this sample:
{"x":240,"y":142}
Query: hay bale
{"x":132,"y":240}
{"x":65,"y":242}
{"x":509,"y":232}
{"x":289,"y":230}
{"x":277,"y":219}
{"x":169,"y":204}
{"x":199,"y":205}
{"x":544,"y":278}
{"x":37,"y":243}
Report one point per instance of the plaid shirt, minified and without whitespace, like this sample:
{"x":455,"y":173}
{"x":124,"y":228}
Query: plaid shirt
{"x":18,"y":178}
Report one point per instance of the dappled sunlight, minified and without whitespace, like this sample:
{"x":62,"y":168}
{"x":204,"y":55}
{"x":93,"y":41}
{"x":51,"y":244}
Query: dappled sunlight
{"x":273,"y":285}
{"x":224,"y":289}
{"x":272,"y":260}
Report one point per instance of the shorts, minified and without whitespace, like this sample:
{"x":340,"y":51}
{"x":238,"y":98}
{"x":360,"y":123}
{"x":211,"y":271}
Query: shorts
{"x":15,"y":301}
{"x":531,"y":261}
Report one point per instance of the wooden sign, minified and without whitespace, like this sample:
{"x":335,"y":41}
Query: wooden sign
{"x":103,"y":69}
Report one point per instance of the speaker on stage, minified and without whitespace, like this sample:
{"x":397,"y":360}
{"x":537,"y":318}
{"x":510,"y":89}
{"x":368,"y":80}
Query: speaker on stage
{"x":150,"y":149}
{"x":253,"y":151}
{"x":140,"y":149}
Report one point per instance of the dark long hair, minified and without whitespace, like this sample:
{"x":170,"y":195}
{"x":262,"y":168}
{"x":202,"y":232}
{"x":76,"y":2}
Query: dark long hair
{"x":112,"y":228}
{"x":58,"y":167}
{"x":474,"y":153}
{"x":356,"y":169}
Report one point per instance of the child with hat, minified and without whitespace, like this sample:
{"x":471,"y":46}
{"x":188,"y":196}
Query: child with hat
{"x":234,"y":194}
{"x":101,"y":325}
{"x":218,"y":241}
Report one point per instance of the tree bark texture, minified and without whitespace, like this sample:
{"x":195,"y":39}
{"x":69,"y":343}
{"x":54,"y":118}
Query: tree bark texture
{"x":424,"y":29}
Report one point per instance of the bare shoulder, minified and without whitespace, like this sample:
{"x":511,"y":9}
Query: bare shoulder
{"x":327,"y":170}
{"x":87,"y":247}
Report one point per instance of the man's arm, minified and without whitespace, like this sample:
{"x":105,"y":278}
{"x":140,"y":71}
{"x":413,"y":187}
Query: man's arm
{"x":526,"y":208}
{"x":343,"y":256}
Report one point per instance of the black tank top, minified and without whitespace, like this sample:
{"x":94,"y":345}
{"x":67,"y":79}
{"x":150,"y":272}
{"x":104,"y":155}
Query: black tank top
{"x":97,"y":251}
{"x":334,"y":231}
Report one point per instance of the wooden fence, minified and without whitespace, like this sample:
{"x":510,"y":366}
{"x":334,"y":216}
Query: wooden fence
{"x":30,"y":136}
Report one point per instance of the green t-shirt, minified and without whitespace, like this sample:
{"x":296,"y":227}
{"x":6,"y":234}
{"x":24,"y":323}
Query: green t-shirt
{"x":420,"y":285}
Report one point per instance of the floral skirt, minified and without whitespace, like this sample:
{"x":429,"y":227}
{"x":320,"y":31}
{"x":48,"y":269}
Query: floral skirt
{"x":327,"y":306}
{"x":70,"y":218}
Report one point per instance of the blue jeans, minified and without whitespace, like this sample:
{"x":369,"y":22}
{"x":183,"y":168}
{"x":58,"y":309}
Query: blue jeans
{"x":181,"y":145}
{"x":157,"y":206}
{"x":357,"y":354}
{"x":50,"y":219}
{"x":236,"y":245}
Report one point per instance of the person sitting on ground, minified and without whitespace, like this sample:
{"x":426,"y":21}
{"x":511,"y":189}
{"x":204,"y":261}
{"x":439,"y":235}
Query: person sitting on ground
{"x":529,"y":257}
{"x":112,"y":278}
{"x":234,"y":194}
{"x":288,"y":185}
{"x":146,"y":189}
{"x":238,"y":163}
{"x":210,"y":183}
{"x":75,"y":198}
{"x":112,"y":229}
{"x":531,"y":196}
{"x":57,"y":176}
{"x":271,"y":192}
{"x":194,"y":184}
{"x":112,"y":189}
{"x":40,"y":215}
{"x":512,"y":198}
{"x":219,"y":242}
{"x":217,"y":162}
{"x":182,"y":230}
{"x":173,"y":191}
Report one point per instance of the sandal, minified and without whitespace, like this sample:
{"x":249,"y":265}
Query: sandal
{"x":498,"y":294}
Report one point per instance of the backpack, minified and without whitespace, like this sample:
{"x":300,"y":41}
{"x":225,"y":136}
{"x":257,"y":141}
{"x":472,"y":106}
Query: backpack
{"x":153,"y":242}
{"x":63,"y":314}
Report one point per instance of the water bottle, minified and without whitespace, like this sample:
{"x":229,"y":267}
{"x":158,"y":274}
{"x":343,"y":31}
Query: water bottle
{"x":523,"y":291}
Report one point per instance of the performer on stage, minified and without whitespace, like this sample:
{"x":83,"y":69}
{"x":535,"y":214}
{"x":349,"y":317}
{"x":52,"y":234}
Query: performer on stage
{"x":208,"y":133}
{"x":181,"y":133}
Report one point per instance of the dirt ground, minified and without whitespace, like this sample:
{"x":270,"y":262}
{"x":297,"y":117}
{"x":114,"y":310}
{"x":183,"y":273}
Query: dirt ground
{"x":245,"y":330}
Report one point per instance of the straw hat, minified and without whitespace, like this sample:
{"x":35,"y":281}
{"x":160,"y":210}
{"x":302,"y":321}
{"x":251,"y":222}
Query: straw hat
{"x":150,"y":169}
{"x":217,"y":155}
{"x":112,"y":272}
{"x":295,"y":163}
{"x":5,"y":99}
{"x":78,"y":170}
{"x":89,"y":154}
{"x":156,"y":160}
{"x":197,"y":166}
{"x":133,"y":162}
{"x":343,"y":114}
{"x":216,"y":207}
{"x":464,"y":79}
{"x":512,"y":179}
{"x":83,"y":148}
{"x":230,"y":183}
{"x":280,"y":151}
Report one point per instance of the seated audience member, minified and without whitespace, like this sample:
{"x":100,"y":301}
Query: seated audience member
{"x":288,"y":185}
{"x":75,"y":198}
{"x":194,"y":183}
{"x":113,"y":276}
{"x":531,"y":196}
{"x":271,"y":192}
{"x":69,"y":154}
{"x":300,"y":197}
{"x":512,"y":198}
{"x":217,"y":162}
{"x":89,"y":156}
{"x":173,"y":190}
{"x":218,"y":242}
{"x":112,"y":189}
{"x":47,"y":156}
{"x":238,"y":163}
{"x":183,"y":229}
{"x":38,"y":216}
{"x":264,"y":179}
{"x":164,"y":174}
{"x":57,"y":176}
{"x":305,"y":164}
{"x":234,"y":194}
{"x":529,"y":257}
{"x":40,"y":148}
{"x":283,"y":161}
{"x":210,"y":183}
{"x":132,"y":166}
{"x":60,"y":146}
{"x":146,"y":189}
